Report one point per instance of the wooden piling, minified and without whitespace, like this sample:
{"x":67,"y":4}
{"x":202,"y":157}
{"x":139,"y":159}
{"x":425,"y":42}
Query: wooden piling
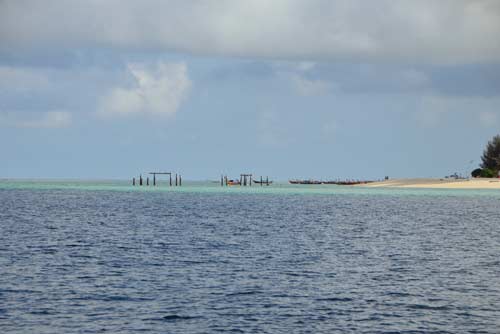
{"x":177,"y":178}
{"x":180,"y":180}
{"x":140,"y":180}
{"x":133,"y":181}
{"x":147,"y":181}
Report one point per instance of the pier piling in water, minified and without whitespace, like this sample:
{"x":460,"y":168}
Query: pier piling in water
{"x":178,"y":179}
{"x":245,"y":180}
{"x":224,"y":180}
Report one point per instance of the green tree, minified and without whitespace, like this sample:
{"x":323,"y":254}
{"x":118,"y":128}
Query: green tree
{"x":486,"y":172}
{"x":476,"y":172}
{"x":491,"y":155}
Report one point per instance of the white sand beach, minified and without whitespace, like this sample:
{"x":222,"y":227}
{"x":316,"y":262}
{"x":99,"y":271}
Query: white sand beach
{"x":476,"y":183}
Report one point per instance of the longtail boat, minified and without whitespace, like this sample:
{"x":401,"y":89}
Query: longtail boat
{"x":338,"y":183}
{"x":304,"y":182}
{"x":263,"y":182}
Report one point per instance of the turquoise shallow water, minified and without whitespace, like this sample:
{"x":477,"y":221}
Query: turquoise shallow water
{"x":106,"y":257}
{"x":282,"y":188}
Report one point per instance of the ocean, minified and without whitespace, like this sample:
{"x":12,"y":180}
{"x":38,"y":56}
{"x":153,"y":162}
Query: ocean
{"x":106,"y":257}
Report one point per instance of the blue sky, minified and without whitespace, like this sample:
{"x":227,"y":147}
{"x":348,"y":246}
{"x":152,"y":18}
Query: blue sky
{"x":289,"y":89}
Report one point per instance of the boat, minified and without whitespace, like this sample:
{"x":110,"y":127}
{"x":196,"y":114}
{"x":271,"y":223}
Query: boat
{"x":352,"y":182}
{"x":304,"y":182}
{"x":262,"y":182}
{"x":338,"y":183}
{"x":233,"y":183}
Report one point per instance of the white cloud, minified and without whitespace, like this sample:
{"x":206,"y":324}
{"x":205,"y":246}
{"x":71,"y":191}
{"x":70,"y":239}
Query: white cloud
{"x":157,"y":90}
{"x":39,"y":120}
{"x":310,"y":87}
{"x":300,"y":74}
{"x":305,"y":66}
{"x":420,"y":31}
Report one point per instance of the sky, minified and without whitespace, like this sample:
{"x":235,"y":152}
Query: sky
{"x":321,"y":89}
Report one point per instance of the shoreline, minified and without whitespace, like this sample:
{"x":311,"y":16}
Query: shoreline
{"x":430,"y":183}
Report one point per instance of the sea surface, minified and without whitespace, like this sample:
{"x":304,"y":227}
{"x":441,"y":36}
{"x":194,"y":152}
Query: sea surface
{"x":106,"y":257}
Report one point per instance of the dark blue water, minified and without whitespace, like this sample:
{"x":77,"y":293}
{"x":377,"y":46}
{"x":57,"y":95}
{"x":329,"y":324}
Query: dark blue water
{"x":76,"y":261}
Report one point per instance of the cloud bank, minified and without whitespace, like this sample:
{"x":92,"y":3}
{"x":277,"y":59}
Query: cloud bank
{"x":417,"y":31}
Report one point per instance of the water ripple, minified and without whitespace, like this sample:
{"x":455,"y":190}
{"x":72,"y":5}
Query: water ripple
{"x":94,"y":261}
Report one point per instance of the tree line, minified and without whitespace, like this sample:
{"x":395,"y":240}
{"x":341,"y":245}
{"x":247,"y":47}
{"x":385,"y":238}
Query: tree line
{"x":490,"y":165}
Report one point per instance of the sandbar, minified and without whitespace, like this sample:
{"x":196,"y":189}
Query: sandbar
{"x":444,"y":183}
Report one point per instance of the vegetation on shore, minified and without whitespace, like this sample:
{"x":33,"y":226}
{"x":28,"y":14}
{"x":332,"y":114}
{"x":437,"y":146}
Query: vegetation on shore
{"x":490,"y":165}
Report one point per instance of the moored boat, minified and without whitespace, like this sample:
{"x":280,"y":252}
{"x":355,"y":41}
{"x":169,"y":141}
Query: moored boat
{"x":338,"y":183}
{"x":304,"y":182}
{"x":262,"y":182}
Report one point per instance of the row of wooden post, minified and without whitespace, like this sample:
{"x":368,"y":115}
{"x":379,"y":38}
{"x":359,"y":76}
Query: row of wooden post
{"x":245,"y":179}
{"x":262,"y":183}
{"x":178,"y":179}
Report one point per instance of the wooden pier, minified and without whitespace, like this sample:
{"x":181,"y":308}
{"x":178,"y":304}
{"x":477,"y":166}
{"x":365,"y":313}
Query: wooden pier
{"x":178,"y":179}
{"x":264,"y":182}
{"x":244,"y":180}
